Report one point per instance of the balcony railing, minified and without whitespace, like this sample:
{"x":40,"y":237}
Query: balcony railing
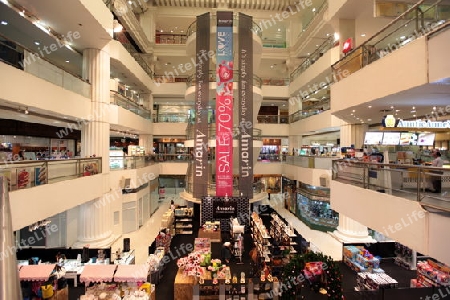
{"x":173,"y":157}
{"x":193,"y":27}
{"x":320,"y":107}
{"x":27,"y":174}
{"x":275,"y":82}
{"x":313,"y":57}
{"x":20,"y":57}
{"x":129,"y":104}
{"x":409,"y":26}
{"x":411,"y":182}
{"x":171,"y":118}
{"x":192,"y":79}
{"x":170,"y":38}
{"x":273,"y":119}
{"x":131,"y":162}
{"x":308,"y":19}
{"x":121,"y":37}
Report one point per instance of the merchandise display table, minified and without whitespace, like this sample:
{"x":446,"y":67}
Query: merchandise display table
{"x":73,"y":270}
{"x":214,"y":236}
{"x":131,"y":273}
{"x":202,"y":245}
{"x":183,"y":286}
{"x":36,"y":272}
{"x":97,"y":273}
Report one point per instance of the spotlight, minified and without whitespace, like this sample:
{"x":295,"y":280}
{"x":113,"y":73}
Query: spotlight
{"x":26,"y":111}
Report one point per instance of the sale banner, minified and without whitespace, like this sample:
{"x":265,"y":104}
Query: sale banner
{"x":224,"y":104}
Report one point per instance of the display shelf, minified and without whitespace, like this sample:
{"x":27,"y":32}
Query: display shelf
{"x":260,"y":237}
{"x":183,"y":221}
{"x":282,"y":233}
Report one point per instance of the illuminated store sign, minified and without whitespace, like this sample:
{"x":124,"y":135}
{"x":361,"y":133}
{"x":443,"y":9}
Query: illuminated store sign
{"x":390,"y":121}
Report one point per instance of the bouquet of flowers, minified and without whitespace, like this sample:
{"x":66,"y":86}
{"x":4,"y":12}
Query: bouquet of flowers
{"x":191,"y":264}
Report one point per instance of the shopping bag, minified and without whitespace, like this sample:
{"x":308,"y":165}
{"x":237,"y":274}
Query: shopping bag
{"x":47,"y":291}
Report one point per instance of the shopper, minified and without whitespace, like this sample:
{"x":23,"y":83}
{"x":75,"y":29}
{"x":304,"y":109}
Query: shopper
{"x":226,"y":252}
{"x":436,"y":180}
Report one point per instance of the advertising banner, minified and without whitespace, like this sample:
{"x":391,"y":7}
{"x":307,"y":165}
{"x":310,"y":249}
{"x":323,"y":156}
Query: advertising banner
{"x":224,"y":104}
{"x":245,"y":119}
{"x":200,"y":163}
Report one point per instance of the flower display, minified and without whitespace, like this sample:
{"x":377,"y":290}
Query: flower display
{"x":191,"y":264}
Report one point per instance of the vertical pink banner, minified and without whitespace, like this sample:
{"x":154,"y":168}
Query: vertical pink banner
{"x":224,"y":104}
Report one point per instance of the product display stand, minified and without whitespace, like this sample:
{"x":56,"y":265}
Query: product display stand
{"x":405,"y":257}
{"x":183,"y":221}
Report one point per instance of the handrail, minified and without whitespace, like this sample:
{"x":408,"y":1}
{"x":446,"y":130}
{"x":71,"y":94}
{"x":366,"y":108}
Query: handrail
{"x":30,"y":173}
{"x":412,"y":182}
{"x":303,"y":114}
{"x":328,"y":44}
{"x":127,"y":103}
{"x":41,"y":57}
{"x":171,"y":118}
{"x":371,"y":51}
{"x":318,"y":11}
{"x":191,"y":80}
{"x":131,"y":162}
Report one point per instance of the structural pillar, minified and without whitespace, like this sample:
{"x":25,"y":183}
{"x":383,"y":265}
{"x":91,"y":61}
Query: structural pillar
{"x":95,"y":217}
{"x":148,"y":24}
{"x":351,"y":231}
{"x":146,"y":141}
{"x":353,"y":134}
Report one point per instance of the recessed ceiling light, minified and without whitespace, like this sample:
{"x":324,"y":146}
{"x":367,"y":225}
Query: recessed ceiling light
{"x":414,"y":107}
{"x":37,"y":43}
{"x":22,"y":13}
{"x":353,"y":110}
{"x":130,"y":2}
{"x":314,"y":9}
{"x":284,"y":104}
{"x":317,"y":45}
{"x":403,"y":37}
{"x":397,"y":110}
{"x":413,"y":111}
{"x":307,"y":54}
{"x":279,"y":29}
{"x":4,"y":23}
{"x":351,"y":114}
{"x":434,"y":107}
{"x":171,"y":31}
{"x":370,"y":106}
{"x":369,"y":120}
{"x":181,"y":30}
{"x":328,"y":34}
{"x":414,"y":116}
{"x":363,"y":34}
{"x":392,"y":107}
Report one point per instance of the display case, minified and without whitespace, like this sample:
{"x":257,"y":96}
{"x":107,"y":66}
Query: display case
{"x":134,"y":150}
{"x":183,"y":221}
{"x":315,"y":212}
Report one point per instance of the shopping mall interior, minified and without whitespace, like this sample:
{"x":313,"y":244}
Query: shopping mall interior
{"x":206,"y":149}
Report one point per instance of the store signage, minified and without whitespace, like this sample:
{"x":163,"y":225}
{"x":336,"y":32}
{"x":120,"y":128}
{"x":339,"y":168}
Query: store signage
{"x":225,"y":209}
{"x":390,"y":121}
{"x":348,"y":46}
{"x":200,"y":181}
{"x":224,"y":104}
{"x":245,"y":106}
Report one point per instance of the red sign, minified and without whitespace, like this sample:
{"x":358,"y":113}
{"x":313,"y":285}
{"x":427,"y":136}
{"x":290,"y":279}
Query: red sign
{"x":348,"y":46}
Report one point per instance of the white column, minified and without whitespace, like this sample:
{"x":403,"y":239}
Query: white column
{"x":351,"y":231}
{"x":148,"y":23}
{"x":146,"y":141}
{"x":353,"y":134}
{"x":95,"y":217}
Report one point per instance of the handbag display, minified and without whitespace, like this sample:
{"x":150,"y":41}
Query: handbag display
{"x":47,"y":291}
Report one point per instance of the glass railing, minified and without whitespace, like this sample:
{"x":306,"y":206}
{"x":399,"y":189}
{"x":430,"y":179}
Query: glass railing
{"x":170,"y":38}
{"x":171,"y":118}
{"x":312,"y":162}
{"x":173,"y":157}
{"x":318,"y":108}
{"x":33,"y":63}
{"x":420,"y":20}
{"x":193,"y":27}
{"x":313,"y":57}
{"x":273,"y":43}
{"x":190,"y":132}
{"x":428,"y":185}
{"x":308,"y":18}
{"x":131,"y":162}
{"x":30,"y":173}
{"x":192,"y":79}
{"x":129,"y":104}
{"x":121,"y":37}
{"x":275,"y":82}
{"x":212,"y":189}
{"x":273,"y":119}
{"x":169,"y":78}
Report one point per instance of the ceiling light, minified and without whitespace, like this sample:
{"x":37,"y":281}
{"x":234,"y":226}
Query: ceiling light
{"x":41,"y":27}
{"x":272,"y":104}
{"x":402,"y":37}
{"x":328,"y":34}
{"x":67,"y":61}
{"x":117,"y":27}
{"x":4,"y":23}
{"x":171,"y":31}
{"x":413,"y":111}
{"x":434,"y":107}
{"x":22,"y":13}
{"x":363,"y":34}
{"x":370,"y":106}
{"x":392,"y":107}
{"x":37,"y":43}
{"x":279,"y":29}
{"x":314,"y":9}
{"x":353,"y":110}
{"x":181,"y":30}
{"x":414,"y":116}
{"x":336,"y":36}
{"x":130,"y":2}
{"x":397,"y":110}
{"x":307,"y":54}
{"x":317,"y":45}
{"x":26,"y":111}
{"x":161,"y":30}
{"x":4,"y":1}
{"x":351,"y":114}
{"x":369,"y":120}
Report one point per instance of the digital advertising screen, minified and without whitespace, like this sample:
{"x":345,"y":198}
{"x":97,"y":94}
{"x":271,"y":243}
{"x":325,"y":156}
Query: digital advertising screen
{"x":391,"y":138}
{"x":373,"y":138}
{"x":408,"y":139}
{"x":426,"y":139}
